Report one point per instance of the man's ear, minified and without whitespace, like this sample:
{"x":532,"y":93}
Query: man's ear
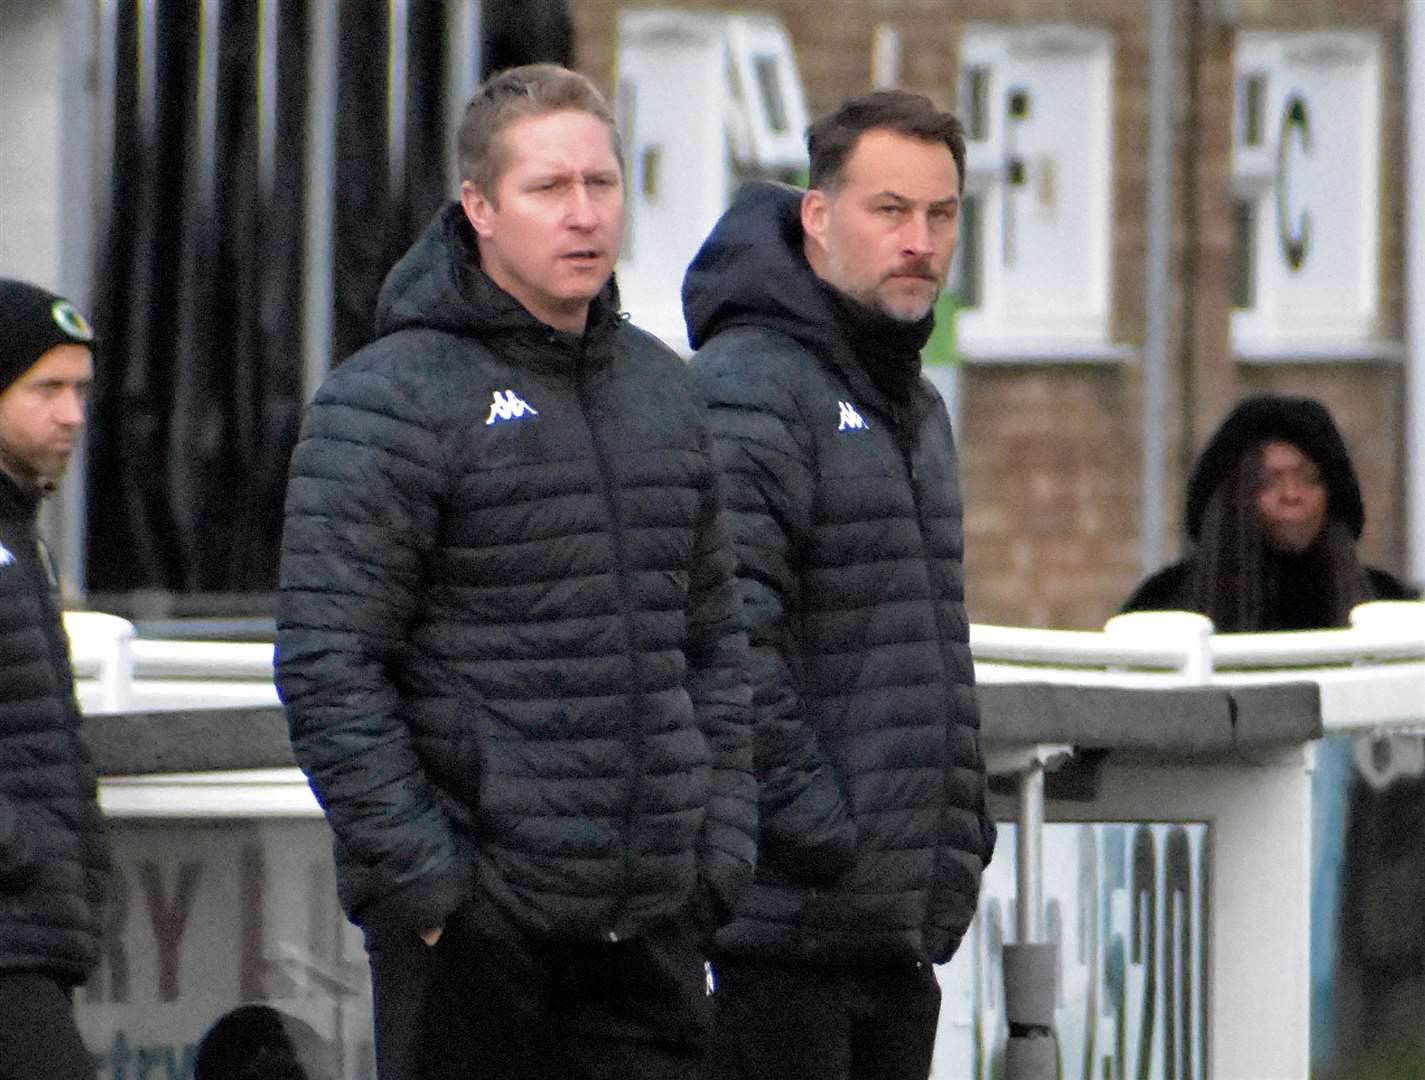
{"x":815,"y":207}
{"x":479,"y":210}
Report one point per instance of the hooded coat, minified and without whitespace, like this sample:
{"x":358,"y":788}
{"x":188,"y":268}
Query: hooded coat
{"x":54,"y":858}
{"x":1297,"y":599}
{"x":508,"y":640}
{"x":841,"y":479}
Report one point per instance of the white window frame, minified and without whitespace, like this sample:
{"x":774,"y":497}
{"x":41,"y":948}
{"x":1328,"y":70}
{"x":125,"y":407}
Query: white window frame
{"x":1272,"y":133}
{"x":705,"y":100}
{"x":765,"y":135}
{"x":996,"y":327}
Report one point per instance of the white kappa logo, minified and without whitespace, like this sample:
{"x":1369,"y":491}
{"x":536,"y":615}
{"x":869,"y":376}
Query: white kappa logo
{"x":509,"y":406}
{"x":850,"y":418}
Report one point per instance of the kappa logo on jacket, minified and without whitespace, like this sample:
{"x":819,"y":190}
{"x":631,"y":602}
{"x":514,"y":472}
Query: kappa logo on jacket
{"x":6,"y":556}
{"x":509,"y":406}
{"x":850,"y":418}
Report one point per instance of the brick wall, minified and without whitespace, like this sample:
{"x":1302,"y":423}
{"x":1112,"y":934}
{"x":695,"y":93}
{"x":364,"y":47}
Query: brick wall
{"x":1051,"y":453}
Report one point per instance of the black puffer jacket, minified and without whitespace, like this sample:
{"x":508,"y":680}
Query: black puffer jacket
{"x":508,"y":637}
{"x":846,"y":511}
{"x":53,"y":855}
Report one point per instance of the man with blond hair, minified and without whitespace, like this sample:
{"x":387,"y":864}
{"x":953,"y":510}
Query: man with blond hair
{"x":508,"y":638}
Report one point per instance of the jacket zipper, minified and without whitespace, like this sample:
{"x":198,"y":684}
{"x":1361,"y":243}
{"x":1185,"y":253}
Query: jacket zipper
{"x":633,"y":733}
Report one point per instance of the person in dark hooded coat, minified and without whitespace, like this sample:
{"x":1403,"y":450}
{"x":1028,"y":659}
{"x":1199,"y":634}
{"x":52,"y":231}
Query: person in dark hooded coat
{"x":1274,"y":511}
{"x":508,"y":637}
{"x":54,"y":857}
{"x":809,"y":311}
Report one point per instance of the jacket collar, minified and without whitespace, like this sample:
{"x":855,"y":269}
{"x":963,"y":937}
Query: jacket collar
{"x":15,"y":502}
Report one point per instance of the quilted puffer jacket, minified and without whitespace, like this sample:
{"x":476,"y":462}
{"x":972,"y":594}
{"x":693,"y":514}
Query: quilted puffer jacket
{"x":508,"y":639}
{"x":846,"y":512}
{"x":54,"y":859}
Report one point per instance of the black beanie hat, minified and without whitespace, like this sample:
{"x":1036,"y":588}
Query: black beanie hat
{"x":1301,"y":421}
{"x":32,"y":322}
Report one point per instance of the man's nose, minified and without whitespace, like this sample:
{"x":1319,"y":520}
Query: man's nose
{"x":582,"y":214}
{"x":915,"y":235}
{"x":69,"y":409}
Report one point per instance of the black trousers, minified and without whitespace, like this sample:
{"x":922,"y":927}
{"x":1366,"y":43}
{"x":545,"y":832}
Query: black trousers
{"x":491,"y":1003}
{"x":791,"y":1021}
{"x":38,"y":1037}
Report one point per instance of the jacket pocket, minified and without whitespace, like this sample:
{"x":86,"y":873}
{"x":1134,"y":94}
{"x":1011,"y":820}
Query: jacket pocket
{"x":466,"y":761}
{"x":445,"y":730}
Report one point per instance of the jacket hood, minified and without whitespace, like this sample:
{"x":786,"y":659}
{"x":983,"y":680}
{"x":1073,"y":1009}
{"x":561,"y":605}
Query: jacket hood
{"x":751,"y":271}
{"x":1301,"y":421}
{"x":438,"y":285}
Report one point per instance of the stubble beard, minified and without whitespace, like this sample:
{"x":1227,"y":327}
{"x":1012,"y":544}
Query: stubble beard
{"x":27,"y":474}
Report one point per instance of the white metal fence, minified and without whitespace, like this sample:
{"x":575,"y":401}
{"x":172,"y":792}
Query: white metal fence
{"x":117,"y":671}
{"x":1371,"y":675}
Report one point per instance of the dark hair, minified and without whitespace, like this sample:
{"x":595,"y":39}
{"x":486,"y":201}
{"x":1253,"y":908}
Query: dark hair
{"x":517,"y":94}
{"x":1230,"y":580}
{"x":831,"y":139}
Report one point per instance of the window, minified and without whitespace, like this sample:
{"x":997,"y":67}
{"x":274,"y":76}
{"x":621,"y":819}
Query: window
{"x":705,"y":101}
{"x":1306,"y":178}
{"x":1033,"y":269}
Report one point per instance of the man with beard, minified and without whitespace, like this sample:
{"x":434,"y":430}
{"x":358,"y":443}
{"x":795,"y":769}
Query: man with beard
{"x":53,"y":855}
{"x":809,"y":311}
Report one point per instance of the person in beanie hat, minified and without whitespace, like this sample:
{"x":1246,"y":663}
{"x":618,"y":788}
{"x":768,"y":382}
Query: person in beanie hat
{"x":1273,"y":513}
{"x":53,"y":854}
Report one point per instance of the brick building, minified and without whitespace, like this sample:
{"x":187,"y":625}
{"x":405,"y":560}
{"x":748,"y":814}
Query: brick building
{"x":1051,"y":426}
{"x":1278,"y":242}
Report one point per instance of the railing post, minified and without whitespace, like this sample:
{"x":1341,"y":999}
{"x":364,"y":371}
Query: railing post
{"x":1029,"y":856}
{"x":116,"y":676}
{"x":1188,"y":634}
{"x":1030,"y":964}
{"x":104,"y":642}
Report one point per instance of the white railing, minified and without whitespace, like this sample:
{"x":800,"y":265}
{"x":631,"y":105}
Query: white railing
{"x":116,"y":671}
{"x":101,"y":651}
{"x":1371,"y":674}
